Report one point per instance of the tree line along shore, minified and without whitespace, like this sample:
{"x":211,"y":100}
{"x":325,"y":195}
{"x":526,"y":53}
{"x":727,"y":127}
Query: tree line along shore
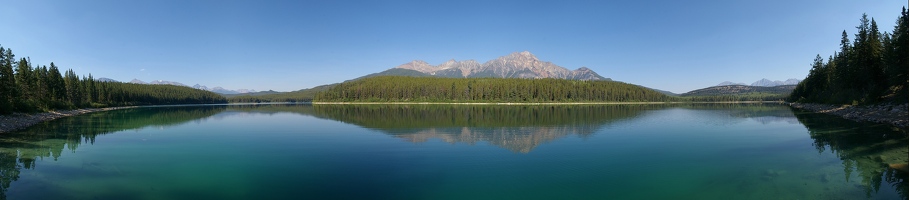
{"x":870,"y":70}
{"x":27,"y":88}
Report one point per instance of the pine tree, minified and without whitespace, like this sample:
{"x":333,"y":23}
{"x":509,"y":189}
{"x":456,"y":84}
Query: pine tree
{"x":24,"y":79}
{"x":845,"y":74}
{"x":40,"y":89}
{"x":56,"y":83}
{"x":5,"y":105}
{"x":92,"y":89}
{"x":871,"y":70}
{"x":73,"y":88}
{"x":897,"y":66}
{"x":872,"y":74}
{"x":8,"y":88}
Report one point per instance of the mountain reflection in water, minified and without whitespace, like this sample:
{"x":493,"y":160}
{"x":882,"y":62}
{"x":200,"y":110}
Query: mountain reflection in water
{"x":864,"y":149}
{"x":516,"y":128}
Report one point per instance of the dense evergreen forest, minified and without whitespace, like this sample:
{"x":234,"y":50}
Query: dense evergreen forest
{"x":871,"y":69}
{"x":434,"y":89}
{"x":28,"y":88}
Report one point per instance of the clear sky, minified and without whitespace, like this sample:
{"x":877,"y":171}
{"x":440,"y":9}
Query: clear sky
{"x":289,"y":45}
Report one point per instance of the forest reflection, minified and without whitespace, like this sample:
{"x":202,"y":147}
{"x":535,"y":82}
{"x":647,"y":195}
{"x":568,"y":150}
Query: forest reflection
{"x":516,"y":128}
{"x":866,"y":150}
{"x":19,"y":150}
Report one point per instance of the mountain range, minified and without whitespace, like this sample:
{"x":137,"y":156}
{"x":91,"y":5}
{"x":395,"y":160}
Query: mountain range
{"x":218,"y":90}
{"x":515,"y":65}
{"x":765,"y":83}
{"x":780,"y":90}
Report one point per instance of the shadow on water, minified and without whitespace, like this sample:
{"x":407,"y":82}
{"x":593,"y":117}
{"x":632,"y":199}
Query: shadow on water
{"x":867,"y":150}
{"x":48,"y":139}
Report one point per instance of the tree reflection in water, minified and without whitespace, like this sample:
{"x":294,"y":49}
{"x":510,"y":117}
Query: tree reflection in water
{"x":20,"y":149}
{"x":866,"y":150}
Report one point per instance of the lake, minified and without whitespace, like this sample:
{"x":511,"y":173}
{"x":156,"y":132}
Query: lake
{"x":685,"y":151}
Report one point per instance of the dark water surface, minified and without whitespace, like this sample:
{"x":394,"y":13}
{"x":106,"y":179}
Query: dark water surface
{"x":703,"y":151}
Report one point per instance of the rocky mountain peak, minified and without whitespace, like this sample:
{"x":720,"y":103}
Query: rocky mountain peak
{"x":765,"y":82}
{"x":524,"y":55}
{"x":724,"y":83}
{"x":418,"y":65}
{"x":448,"y":64}
{"x":514,"y":65}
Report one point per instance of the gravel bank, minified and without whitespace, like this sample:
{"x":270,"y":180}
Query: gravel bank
{"x":896,"y":115}
{"x":16,"y":121}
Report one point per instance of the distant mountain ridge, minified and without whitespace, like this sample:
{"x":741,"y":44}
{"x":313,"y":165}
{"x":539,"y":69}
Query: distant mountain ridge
{"x":765,"y":83}
{"x":218,"y":90}
{"x":740,"y":90}
{"x":515,"y":65}
{"x":158,"y":82}
{"x":724,"y":83}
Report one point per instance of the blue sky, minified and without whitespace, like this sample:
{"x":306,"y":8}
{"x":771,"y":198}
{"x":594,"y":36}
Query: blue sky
{"x":289,"y":45}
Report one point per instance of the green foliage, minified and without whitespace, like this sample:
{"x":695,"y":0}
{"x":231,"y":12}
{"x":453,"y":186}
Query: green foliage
{"x":728,"y":93}
{"x":31,"y":89}
{"x":304,"y":95}
{"x":434,"y":89}
{"x":870,"y":70}
{"x":387,"y":116}
{"x":8,"y":90}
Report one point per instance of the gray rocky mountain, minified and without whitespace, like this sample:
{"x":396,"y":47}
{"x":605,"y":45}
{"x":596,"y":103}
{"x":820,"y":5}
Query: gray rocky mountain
{"x":729,"y":83}
{"x":219,"y":90}
{"x":515,"y":65}
{"x":163,"y":82}
{"x":102,"y":79}
{"x":768,"y":83}
{"x":764,"y":83}
{"x":791,"y":81}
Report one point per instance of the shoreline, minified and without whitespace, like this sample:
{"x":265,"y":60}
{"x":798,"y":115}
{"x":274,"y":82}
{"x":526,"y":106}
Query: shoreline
{"x":19,"y":121}
{"x":894,"y":115}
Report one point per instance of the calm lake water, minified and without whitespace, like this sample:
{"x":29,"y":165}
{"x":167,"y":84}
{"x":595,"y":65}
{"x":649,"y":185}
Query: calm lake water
{"x":702,"y":151}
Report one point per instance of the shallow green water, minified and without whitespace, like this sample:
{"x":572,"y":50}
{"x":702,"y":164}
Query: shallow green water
{"x":704,"y":151}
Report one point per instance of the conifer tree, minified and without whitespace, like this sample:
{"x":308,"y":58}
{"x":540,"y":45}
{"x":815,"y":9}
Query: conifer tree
{"x":8,"y":89}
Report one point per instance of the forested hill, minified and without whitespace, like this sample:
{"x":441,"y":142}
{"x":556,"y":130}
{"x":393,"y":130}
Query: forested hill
{"x":739,"y":93}
{"x":871,"y":69}
{"x":28,"y":88}
{"x":434,"y":89}
{"x":782,"y":90}
{"x":304,"y":95}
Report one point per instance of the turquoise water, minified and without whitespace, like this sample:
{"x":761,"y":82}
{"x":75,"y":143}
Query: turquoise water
{"x":703,"y":151}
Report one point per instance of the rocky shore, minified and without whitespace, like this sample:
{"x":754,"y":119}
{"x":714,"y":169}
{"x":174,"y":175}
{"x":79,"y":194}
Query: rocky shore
{"x":896,"y":115}
{"x":16,"y":121}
